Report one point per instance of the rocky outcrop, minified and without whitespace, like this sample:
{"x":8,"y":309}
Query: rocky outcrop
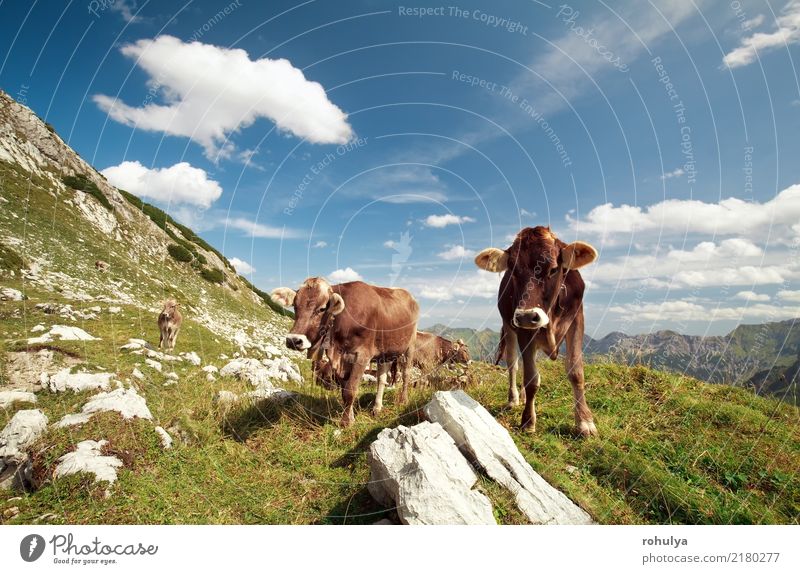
{"x":7,"y":398}
{"x":127,"y":402}
{"x":88,"y":457}
{"x":420,"y":471}
{"x":485,"y":442}
{"x":64,"y":380}
{"x":24,"y":428}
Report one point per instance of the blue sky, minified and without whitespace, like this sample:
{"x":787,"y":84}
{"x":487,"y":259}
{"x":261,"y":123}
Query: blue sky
{"x":367,"y":139}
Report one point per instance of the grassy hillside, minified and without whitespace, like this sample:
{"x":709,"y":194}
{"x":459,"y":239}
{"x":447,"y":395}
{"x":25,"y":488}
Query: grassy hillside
{"x":672,"y":449}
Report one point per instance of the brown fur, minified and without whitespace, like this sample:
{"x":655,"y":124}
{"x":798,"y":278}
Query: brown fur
{"x":376,"y":323}
{"x":530,"y":280}
{"x":169,"y":323}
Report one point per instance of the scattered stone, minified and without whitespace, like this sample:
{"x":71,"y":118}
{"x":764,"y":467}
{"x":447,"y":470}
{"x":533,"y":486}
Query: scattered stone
{"x":572,"y":469}
{"x":484,"y":441}
{"x":210,"y":369}
{"x":114,"y":310}
{"x":192,"y":357}
{"x":137,"y":374}
{"x":126,"y":402}
{"x":166,"y":440}
{"x":88,"y":457}
{"x":262,"y":373}
{"x":64,"y":333}
{"x":7,"y":398}
{"x":172,"y":376}
{"x":153,"y":364}
{"x":210,"y":378}
{"x":420,"y":470}
{"x":9,"y":294}
{"x":11,"y":512}
{"x":38,"y":328}
{"x":30,"y":371}
{"x":64,"y":380}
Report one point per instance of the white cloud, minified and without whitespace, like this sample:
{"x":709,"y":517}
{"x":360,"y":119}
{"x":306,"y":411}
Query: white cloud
{"x":751,"y":296}
{"x":210,"y":92}
{"x":480,"y":284}
{"x":389,"y":243}
{"x":125,"y":10}
{"x":686,"y":311}
{"x":180,"y":184}
{"x":677,"y":172}
{"x":400,"y":184}
{"x":344,"y":275}
{"x":754,"y":22}
{"x":731,"y":216}
{"x":447,"y":219}
{"x":734,"y":247}
{"x":253,"y":229}
{"x":786,"y":33}
{"x":242,"y":267}
{"x":456,"y":252}
{"x":320,"y":244}
{"x":792,"y":296}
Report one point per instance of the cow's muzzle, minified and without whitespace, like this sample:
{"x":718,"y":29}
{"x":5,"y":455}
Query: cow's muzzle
{"x":297,"y":342}
{"x":534,"y":318}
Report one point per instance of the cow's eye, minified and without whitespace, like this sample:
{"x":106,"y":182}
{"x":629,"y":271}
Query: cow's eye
{"x":321,"y":309}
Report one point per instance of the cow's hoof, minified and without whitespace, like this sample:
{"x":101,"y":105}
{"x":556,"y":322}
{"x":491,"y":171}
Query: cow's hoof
{"x":528,"y":426}
{"x":587,"y":429}
{"x":347,"y":421}
{"x":511,"y":404}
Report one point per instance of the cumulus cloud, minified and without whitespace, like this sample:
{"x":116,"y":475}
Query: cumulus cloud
{"x":482,"y":284}
{"x":751,"y":296}
{"x":344,"y":275}
{"x":792,"y":296}
{"x":728,"y":248}
{"x":209,"y":92}
{"x":242,"y":267}
{"x":447,"y":219}
{"x":456,"y":252}
{"x":731,"y":216}
{"x":320,"y":244}
{"x":253,"y":229}
{"x":180,"y":184}
{"x":686,"y":311}
{"x":786,"y":33}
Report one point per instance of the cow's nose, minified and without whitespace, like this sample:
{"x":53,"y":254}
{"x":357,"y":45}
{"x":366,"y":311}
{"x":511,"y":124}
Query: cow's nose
{"x":533,"y":318}
{"x":297,"y":342}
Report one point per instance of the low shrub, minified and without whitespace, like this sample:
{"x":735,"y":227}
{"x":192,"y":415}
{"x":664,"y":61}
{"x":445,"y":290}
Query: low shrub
{"x":179,"y":253}
{"x":212,"y":275}
{"x":82,"y":183}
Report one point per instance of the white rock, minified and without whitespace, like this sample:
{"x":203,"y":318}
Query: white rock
{"x":153,"y":364}
{"x":24,"y":428}
{"x":9,"y":397}
{"x":64,"y":333}
{"x":224,"y":398}
{"x":210,"y":378}
{"x":420,"y":471}
{"x":38,"y":329}
{"x":484,"y":441}
{"x":192,"y":357}
{"x":64,"y":380}
{"x":138,"y":374}
{"x":73,"y":419}
{"x":172,"y":376}
{"x":210,"y":369}
{"x":9,"y":294}
{"x":114,"y":310}
{"x":88,"y":457}
{"x":166,"y":440}
{"x":367,"y":378}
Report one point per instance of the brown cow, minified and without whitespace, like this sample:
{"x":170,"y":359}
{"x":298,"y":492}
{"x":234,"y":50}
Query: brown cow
{"x":352,"y":324}
{"x":541,"y":303}
{"x":169,"y":323}
{"x":432,"y":350}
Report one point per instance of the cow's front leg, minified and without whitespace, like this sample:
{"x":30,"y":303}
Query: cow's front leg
{"x":404,"y":364}
{"x":350,"y":391}
{"x":382,"y":372}
{"x":512,"y":363}
{"x":584,"y":421}
{"x":530,"y":376}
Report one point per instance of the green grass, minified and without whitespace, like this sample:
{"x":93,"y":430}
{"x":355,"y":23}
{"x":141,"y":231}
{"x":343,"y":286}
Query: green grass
{"x":10,"y":259}
{"x":179,"y":253}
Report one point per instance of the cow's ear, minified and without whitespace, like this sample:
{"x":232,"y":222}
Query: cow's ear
{"x":577,"y":254}
{"x":492,"y":259}
{"x":336,"y":304}
{"x":283,"y":296}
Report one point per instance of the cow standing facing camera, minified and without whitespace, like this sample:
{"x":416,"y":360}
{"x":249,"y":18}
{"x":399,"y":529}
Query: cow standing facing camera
{"x":352,"y":324}
{"x":541,"y":303}
{"x":169,"y":323}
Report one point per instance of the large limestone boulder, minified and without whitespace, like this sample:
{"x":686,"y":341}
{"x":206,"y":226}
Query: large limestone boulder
{"x":420,"y":471}
{"x":485,"y":442}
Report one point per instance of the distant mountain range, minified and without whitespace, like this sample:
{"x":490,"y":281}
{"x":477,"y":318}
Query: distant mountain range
{"x":763,"y":357}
